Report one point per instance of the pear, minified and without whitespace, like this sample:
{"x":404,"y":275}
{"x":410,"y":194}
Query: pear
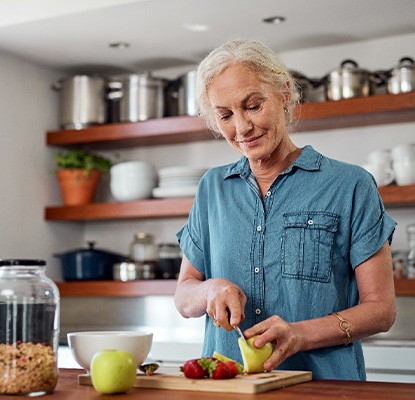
{"x":252,"y":357}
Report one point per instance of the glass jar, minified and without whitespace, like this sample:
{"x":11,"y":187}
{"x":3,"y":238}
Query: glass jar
{"x":144,"y":253}
{"x":29,"y":328}
{"x":410,"y":262}
{"x":170,"y":258}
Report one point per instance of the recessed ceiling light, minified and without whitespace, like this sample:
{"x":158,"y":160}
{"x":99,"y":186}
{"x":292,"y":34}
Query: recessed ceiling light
{"x":274,"y":20}
{"x":119,"y":45}
{"x":196,"y":27}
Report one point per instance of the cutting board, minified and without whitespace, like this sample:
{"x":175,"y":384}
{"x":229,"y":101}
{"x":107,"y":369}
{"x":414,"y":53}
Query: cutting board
{"x":253,"y":383}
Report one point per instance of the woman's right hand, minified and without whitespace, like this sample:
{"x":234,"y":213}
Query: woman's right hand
{"x":225,"y":303}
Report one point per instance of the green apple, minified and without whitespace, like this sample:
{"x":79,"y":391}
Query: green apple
{"x":252,"y":357}
{"x":113,"y":371}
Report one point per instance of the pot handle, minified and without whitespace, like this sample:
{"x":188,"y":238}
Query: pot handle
{"x":91,"y":244}
{"x":406,"y":60}
{"x":349,"y":62}
{"x":379,"y":78}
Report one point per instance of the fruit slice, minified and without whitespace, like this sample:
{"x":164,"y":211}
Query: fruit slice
{"x":225,"y":359}
{"x":252,"y":357}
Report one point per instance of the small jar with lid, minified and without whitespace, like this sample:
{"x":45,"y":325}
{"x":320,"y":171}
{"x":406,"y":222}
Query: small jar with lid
{"x":144,"y":253}
{"x":170,"y":257}
{"x":29,"y":328}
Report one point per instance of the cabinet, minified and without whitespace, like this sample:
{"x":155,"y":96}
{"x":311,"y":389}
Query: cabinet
{"x":374,"y":110}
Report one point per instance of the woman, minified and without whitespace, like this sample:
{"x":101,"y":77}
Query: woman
{"x":287,"y":243}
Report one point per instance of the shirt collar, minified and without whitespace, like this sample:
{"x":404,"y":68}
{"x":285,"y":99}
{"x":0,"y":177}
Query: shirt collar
{"x":308,"y":160}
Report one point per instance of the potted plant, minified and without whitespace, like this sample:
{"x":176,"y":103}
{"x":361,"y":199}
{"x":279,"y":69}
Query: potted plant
{"x":78,"y":173}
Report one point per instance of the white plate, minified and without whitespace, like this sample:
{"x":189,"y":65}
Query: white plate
{"x":181,"y":171}
{"x":179,"y":182}
{"x":165,"y":192}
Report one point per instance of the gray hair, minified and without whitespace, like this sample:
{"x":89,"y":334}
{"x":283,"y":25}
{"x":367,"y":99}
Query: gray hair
{"x":254,"y":54}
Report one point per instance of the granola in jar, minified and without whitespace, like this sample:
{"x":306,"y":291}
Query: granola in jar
{"x":27,"y":368}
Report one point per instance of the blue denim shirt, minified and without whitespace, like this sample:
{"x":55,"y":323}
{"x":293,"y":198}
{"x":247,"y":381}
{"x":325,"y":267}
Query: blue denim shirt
{"x":293,"y":251}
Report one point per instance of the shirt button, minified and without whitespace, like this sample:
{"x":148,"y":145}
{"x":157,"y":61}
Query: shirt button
{"x":268,"y":193}
{"x":258,"y":228}
{"x":257,"y":311}
{"x":310,"y":222}
{"x":256,"y":270}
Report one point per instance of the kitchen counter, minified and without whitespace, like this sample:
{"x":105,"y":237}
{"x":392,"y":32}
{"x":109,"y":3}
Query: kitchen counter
{"x":68,"y":388}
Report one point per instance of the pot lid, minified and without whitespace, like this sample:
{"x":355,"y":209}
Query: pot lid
{"x":90,"y":249}
{"x":349,"y":65}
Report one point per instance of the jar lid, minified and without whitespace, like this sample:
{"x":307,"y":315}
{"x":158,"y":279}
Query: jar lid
{"x":25,"y":262}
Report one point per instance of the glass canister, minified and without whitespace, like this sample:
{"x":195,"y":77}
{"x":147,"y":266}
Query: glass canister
{"x":170,"y":258}
{"x":29,"y":328}
{"x":144,"y":253}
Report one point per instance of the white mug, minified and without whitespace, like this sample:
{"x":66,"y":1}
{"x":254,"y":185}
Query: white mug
{"x":403,"y":152}
{"x":382,"y":173}
{"x":404,"y":172}
{"x":380,"y":157}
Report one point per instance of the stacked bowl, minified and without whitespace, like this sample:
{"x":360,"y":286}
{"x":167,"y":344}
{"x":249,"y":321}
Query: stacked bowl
{"x":180,"y":181}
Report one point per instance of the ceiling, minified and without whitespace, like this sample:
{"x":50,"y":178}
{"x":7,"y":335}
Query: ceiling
{"x":74,"y":36}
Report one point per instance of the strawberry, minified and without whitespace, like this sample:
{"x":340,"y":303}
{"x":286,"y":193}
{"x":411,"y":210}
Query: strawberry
{"x":235,"y":367}
{"x":220,"y":370}
{"x":194,"y":369}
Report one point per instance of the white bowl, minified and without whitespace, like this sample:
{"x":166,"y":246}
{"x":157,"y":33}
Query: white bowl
{"x":132,"y":180}
{"x":84,"y":345}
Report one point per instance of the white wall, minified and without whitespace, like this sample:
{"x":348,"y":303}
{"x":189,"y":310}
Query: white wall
{"x":28,"y":108}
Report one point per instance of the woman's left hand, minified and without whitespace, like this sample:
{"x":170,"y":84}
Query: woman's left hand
{"x":285,"y":338}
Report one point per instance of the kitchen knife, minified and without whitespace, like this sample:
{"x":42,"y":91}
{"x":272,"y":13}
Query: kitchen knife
{"x":239,"y":332}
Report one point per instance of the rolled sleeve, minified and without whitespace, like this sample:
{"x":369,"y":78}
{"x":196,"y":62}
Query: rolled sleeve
{"x":190,"y":249}
{"x":372,"y":226}
{"x":373,"y":240}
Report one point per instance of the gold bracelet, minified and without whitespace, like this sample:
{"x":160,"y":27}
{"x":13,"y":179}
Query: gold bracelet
{"x":345,"y":327}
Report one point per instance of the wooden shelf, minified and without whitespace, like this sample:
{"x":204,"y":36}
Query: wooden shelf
{"x":393,"y":196}
{"x":155,"y":208}
{"x":171,"y":130}
{"x":403,"y":287}
{"x":165,"y":287}
{"x":398,"y":196}
{"x":361,"y":111}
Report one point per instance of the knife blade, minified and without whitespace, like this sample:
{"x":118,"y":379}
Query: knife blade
{"x":239,"y":332}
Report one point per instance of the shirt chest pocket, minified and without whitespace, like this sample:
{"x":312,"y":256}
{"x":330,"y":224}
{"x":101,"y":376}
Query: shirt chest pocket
{"x":307,"y":245}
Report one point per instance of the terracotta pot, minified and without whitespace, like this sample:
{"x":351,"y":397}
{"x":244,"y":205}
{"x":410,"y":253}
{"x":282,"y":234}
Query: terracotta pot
{"x":78,"y":186}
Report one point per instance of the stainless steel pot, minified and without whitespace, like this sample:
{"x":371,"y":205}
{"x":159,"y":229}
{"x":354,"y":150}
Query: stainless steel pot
{"x":187,"y":94}
{"x":402,"y":77}
{"x":130,"y":271}
{"x":82,"y":101}
{"x":347,"y":82}
{"x":140,"y":98}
